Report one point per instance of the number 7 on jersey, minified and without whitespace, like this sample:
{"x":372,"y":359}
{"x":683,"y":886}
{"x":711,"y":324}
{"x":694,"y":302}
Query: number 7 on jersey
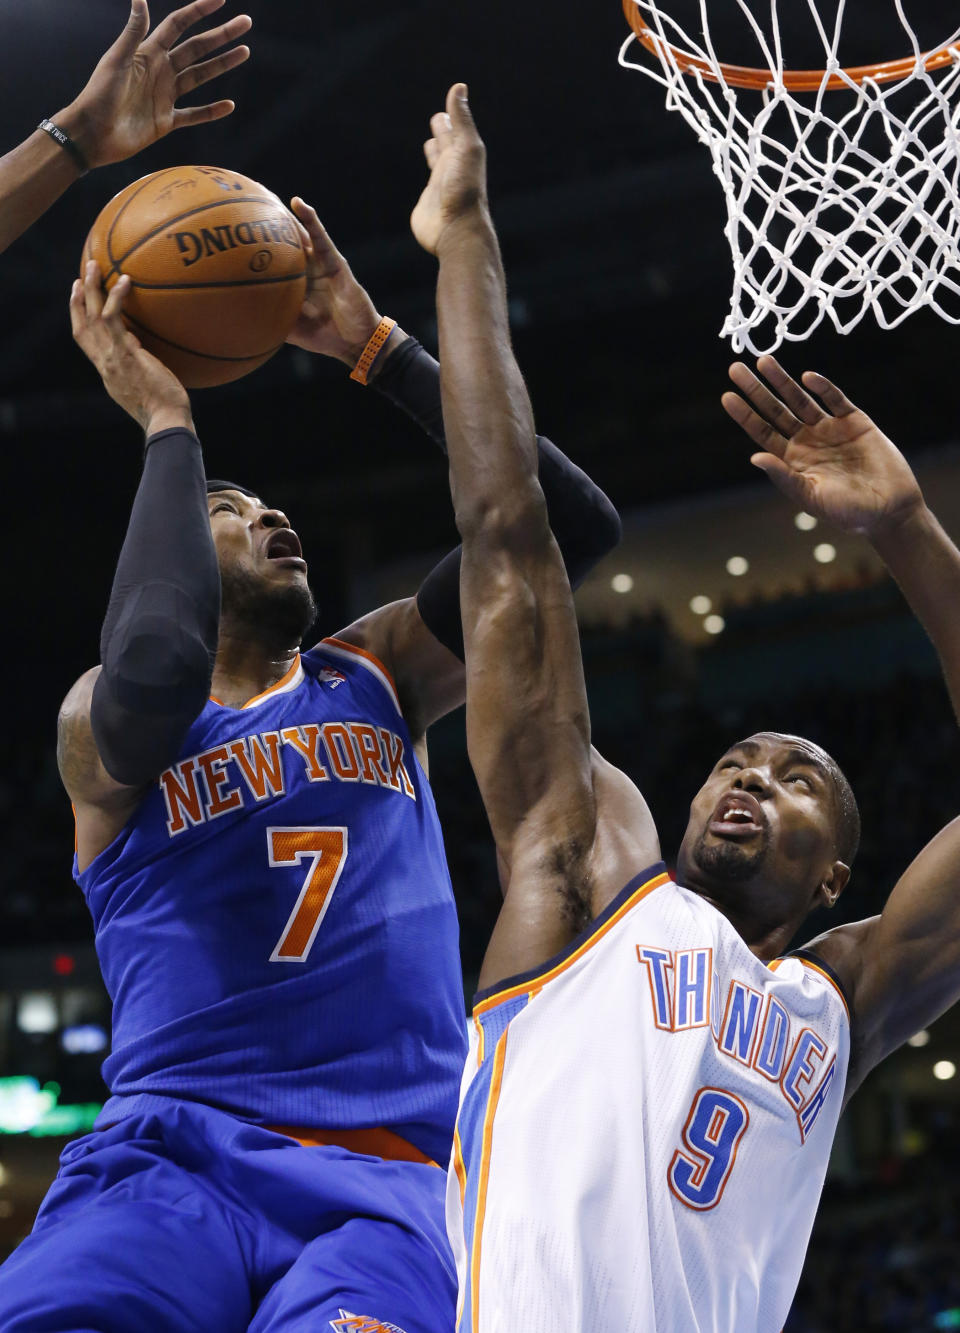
{"x":325,"y":849}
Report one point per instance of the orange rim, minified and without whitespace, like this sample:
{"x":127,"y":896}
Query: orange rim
{"x":795,"y":80}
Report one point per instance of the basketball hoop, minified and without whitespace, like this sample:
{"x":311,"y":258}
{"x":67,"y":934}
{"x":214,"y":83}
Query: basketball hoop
{"x":842,"y":184}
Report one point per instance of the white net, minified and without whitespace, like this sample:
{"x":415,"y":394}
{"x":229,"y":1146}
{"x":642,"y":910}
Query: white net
{"x":840,"y":200}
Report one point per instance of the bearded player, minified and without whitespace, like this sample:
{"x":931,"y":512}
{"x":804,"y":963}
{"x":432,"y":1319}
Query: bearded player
{"x":259,"y":849}
{"x":653,"y":1087}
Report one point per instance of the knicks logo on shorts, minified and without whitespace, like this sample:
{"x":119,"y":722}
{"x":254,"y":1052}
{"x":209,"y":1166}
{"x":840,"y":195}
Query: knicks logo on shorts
{"x":358,"y":1323}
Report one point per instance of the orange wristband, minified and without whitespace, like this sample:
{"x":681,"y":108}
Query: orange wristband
{"x":372,"y":350}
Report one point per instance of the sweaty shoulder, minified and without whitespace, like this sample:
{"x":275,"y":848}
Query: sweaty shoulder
{"x":843,"y":949}
{"x":429,"y":679}
{"x":626,"y":838}
{"x":102,"y":804}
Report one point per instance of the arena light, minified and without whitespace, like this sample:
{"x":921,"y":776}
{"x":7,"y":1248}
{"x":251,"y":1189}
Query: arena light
{"x":621,"y":583}
{"x":26,"y":1108}
{"x":37,"y":1013}
{"x":805,"y":522}
{"x":23,"y":1104}
{"x":824,"y":554}
{"x":737,"y":565}
{"x":714,"y":624}
{"x":84,"y":1039}
{"x":921,"y":1038}
{"x":701,"y":605}
{"x":944,"y":1070}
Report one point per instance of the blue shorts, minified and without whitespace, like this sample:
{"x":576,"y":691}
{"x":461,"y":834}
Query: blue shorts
{"x":190,"y":1221}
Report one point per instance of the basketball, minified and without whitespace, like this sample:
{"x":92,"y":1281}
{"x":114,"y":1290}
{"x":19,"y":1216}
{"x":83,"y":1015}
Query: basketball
{"x":216,"y":265}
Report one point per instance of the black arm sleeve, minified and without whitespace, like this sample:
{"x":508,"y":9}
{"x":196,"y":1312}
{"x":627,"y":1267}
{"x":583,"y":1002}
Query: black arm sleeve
{"x":584,"y":522}
{"x":159,"y":637}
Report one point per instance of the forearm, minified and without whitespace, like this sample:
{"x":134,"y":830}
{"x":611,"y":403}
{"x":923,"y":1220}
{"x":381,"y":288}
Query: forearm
{"x":32,"y":177}
{"x":584,"y":522}
{"x":160,"y":632}
{"x":491,"y":441}
{"x":926,"y":565}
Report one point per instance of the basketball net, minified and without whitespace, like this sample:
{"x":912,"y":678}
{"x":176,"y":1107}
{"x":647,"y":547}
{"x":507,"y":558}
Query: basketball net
{"x":842,"y":186}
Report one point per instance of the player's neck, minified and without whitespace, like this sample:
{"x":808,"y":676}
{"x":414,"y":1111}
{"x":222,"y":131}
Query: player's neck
{"x":763,"y":940}
{"x":246,"y":667}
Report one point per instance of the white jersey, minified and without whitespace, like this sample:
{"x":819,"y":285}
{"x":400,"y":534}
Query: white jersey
{"x":644,"y":1129}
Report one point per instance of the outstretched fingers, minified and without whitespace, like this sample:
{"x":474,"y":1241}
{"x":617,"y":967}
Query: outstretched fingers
{"x":195,"y":75}
{"x":763,"y":434}
{"x":458,"y":108}
{"x":800,"y":403}
{"x":834,"y":399}
{"x":169,"y":32}
{"x":184,"y":117}
{"x":765,"y":403}
{"x":135,"y":30}
{"x":195,"y":49}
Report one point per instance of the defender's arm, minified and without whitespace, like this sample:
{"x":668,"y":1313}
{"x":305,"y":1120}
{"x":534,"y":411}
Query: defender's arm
{"x":528,"y":727}
{"x":833,"y":461}
{"x":128,"y":102}
{"x":901,"y":969}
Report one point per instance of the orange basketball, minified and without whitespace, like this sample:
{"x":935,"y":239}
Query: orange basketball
{"x":217,"y":269}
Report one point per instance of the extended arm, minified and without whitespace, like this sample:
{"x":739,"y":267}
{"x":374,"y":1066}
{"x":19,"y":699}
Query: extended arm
{"x":902,"y":968}
{"x":128,"y":103}
{"x":838,"y":465}
{"x":422,"y":640}
{"x":124,"y":722}
{"x":528,"y":729}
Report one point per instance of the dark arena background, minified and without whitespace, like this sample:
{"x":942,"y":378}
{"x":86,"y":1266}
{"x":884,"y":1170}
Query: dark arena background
{"x":612,"y":230}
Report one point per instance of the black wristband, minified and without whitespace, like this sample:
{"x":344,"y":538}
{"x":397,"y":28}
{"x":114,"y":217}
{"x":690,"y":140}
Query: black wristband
{"x":67,"y":144}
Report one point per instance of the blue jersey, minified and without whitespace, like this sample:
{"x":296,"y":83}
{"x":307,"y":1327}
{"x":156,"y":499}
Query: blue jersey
{"x":276,"y":924}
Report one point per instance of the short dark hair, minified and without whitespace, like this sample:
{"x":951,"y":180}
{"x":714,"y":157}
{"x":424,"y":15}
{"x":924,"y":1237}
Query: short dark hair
{"x":215,"y":484}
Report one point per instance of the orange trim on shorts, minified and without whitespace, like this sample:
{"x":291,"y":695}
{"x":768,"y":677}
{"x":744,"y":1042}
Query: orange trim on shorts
{"x":458,"y":1166}
{"x":535,"y":983}
{"x":284,"y":680}
{"x":370,"y":1142}
{"x":499,"y":1057}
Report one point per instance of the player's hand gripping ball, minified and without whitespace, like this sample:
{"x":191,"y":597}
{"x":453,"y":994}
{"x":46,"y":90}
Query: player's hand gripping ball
{"x":217,"y":269}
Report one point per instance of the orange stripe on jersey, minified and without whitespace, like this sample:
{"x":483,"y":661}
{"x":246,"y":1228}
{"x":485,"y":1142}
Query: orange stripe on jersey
{"x":827,"y":977}
{"x":778,"y":963}
{"x":362,"y":652}
{"x":278,"y":685}
{"x":534,"y":984}
{"x":481,"y":1039}
{"x":499,"y":1056}
{"x":458,"y":1166}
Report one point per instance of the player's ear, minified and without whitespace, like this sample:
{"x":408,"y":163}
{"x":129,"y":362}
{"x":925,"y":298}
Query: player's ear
{"x":832,"y":885}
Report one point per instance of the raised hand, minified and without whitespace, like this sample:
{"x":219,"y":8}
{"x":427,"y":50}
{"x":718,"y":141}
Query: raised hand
{"x":338,"y":317}
{"x":457,"y":188}
{"x":130,"y":99}
{"x":830,"y":460}
{"x":142,"y":385}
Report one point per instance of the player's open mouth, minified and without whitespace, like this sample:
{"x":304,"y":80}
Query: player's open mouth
{"x":283,"y":545}
{"x":738,"y":815}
